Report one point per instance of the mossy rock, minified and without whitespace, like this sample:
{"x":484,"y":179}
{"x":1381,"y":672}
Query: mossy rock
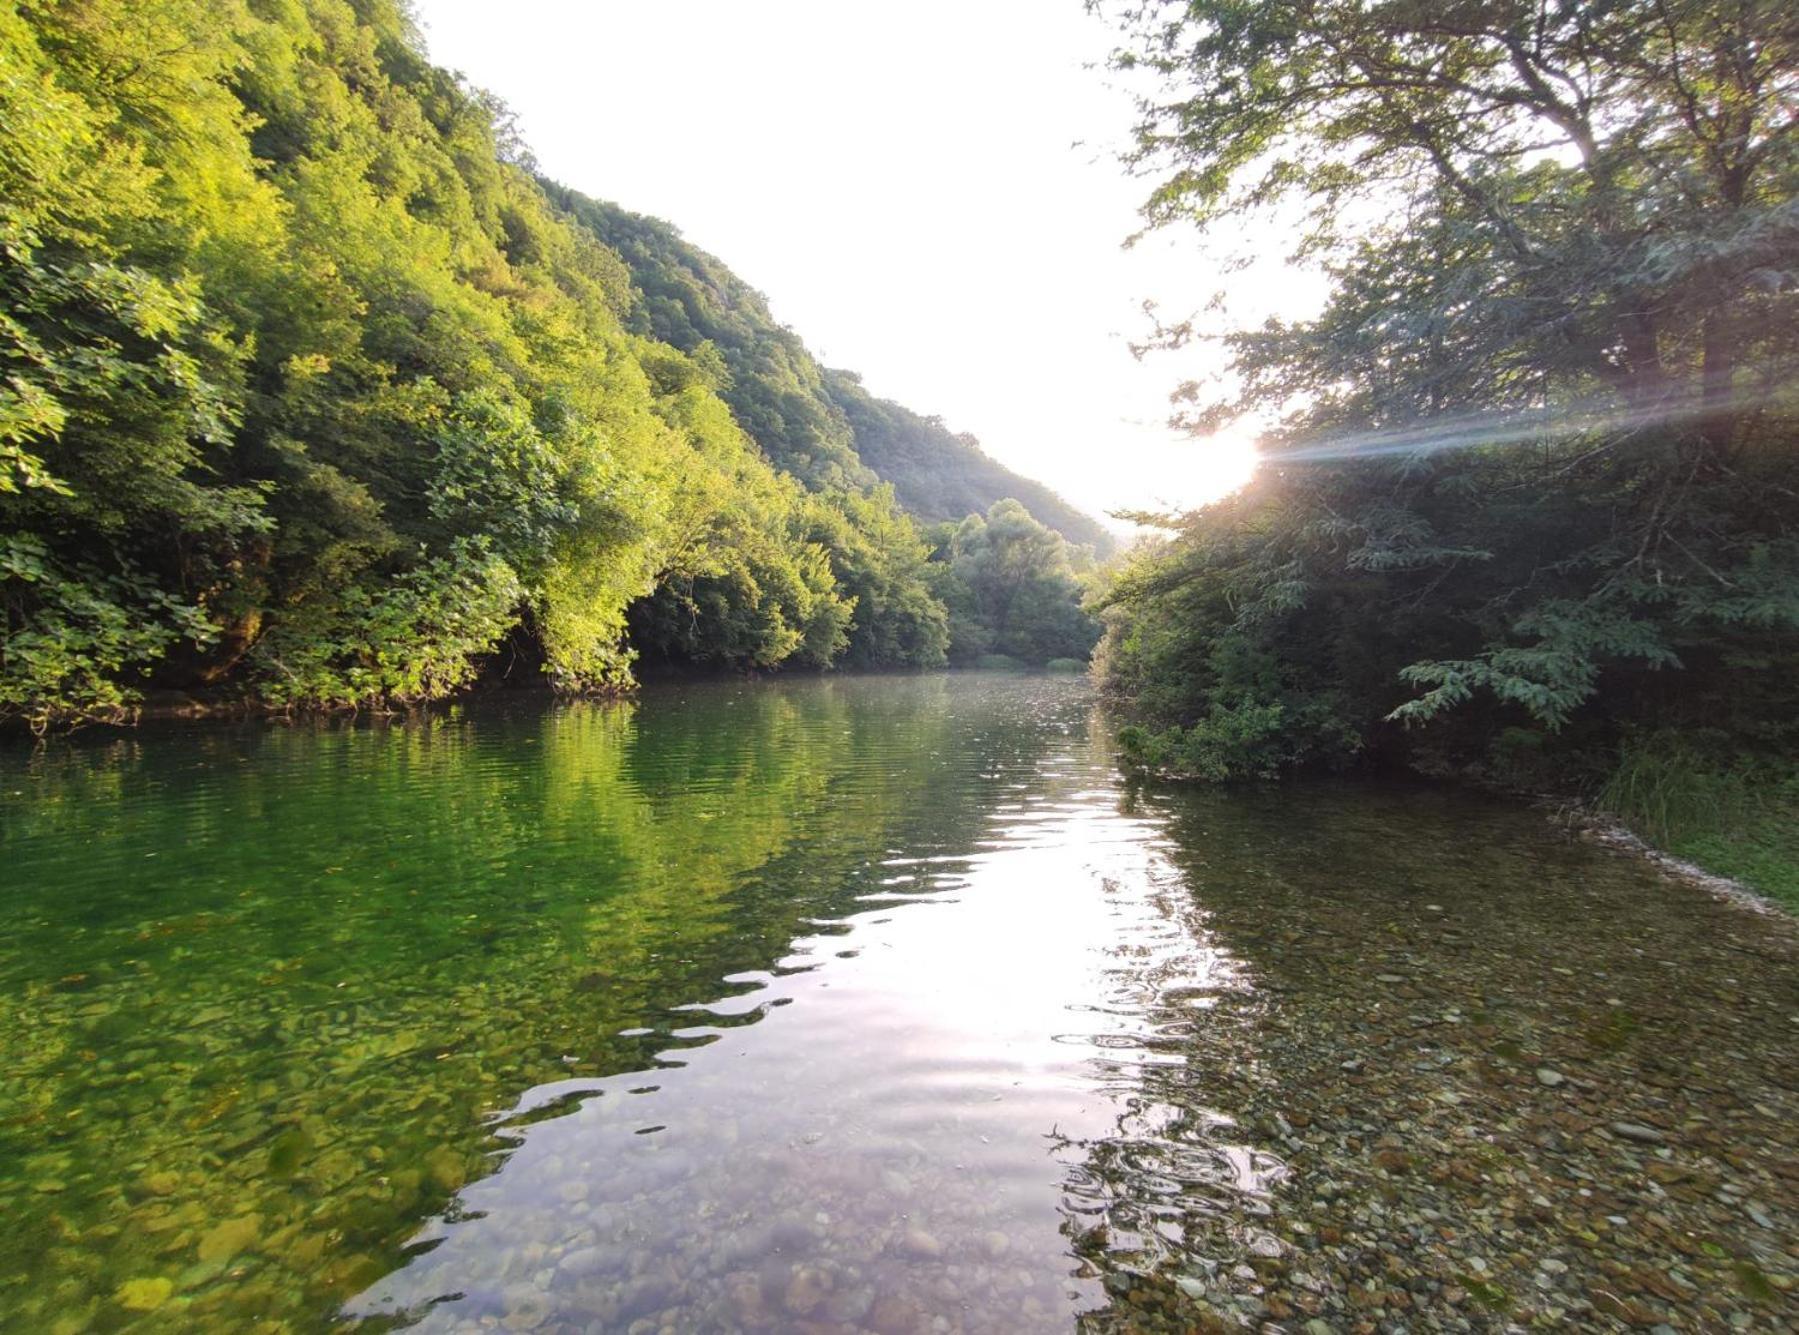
{"x":144,"y":1295}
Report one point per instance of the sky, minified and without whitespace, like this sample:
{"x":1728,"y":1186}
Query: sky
{"x":928,"y":194}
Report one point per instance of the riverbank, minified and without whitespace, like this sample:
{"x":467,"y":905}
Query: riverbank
{"x":1603,"y":828}
{"x":1736,"y":819}
{"x":232,"y":704}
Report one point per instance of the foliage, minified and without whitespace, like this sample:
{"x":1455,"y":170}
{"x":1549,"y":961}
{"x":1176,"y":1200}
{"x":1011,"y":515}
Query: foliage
{"x":309,"y":388}
{"x":1012,"y":589}
{"x":1534,"y":469}
{"x":817,"y":423}
{"x":1668,"y":787}
{"x":413,"y":640}
{"x":82,"y":634}
{"x":688,"y":299}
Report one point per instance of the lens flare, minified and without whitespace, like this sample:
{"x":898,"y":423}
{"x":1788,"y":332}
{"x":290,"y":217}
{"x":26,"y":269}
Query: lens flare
{"x":1593,"y":417}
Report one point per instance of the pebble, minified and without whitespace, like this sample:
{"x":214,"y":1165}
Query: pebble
{"x":921,"y":1244}
{"x":1547,"y":1075}
{"x":582,"y":1261}
{"x":1646,"y":1135}
{"x":806,"y":1289}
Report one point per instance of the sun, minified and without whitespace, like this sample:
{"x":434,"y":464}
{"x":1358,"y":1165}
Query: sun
{"x":1221,"y":463}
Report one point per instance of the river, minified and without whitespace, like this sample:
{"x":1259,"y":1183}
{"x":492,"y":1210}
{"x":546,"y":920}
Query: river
{"x":869,"y":1004}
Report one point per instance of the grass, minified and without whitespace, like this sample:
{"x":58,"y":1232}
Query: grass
{"x":1739,"y":820}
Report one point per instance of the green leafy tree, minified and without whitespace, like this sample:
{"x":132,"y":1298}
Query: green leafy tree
{"x":1022,"y":598}
{"x":312,"y":391}
{"x":1534,"y":468}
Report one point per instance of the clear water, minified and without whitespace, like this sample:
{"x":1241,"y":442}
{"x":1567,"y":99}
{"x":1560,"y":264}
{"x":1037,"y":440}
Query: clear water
{"x":859,"y":1004}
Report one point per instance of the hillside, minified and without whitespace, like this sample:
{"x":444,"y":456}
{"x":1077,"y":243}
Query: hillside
{"x":939,"y":474}
{"x":311,"y":397}
{"x":818,"y":423}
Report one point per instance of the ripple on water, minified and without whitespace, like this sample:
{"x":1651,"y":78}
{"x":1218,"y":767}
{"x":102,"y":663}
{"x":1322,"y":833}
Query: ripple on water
{"x":880,"y":1005}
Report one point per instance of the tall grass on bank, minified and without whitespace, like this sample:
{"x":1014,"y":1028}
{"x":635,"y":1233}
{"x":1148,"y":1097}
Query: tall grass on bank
{"x":1737,"y":817}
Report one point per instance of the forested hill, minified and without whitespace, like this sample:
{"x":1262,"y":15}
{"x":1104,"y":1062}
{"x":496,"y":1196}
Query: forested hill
{"x":310,"y":395}
{"x":943,"y":475}
{"x":815,"y":422}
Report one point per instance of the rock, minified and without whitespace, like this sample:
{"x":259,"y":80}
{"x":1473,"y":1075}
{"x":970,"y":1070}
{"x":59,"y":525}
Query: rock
{"x":792,"y":1233}
{"x":582,"y":1261}
{"x":144,"y":1295}
{"x":1646,"y":1135}
{"x":1190,"y":1286}
{"x":1318,"y":1326}
{"x":849,"y":1306}
{"x":1628,"y":1310}
{"x":806,"y":1289}
{"x":895,"y":1316}
{"x":921,"y":1244}
{"x":1551,"y":1077}
{"x":225,"y":1240}
{"x":745,"y":1295}
{"x":526,"y":1309}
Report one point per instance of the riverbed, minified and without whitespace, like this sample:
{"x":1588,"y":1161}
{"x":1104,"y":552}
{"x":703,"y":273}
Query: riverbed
{"x":869,"y":1004}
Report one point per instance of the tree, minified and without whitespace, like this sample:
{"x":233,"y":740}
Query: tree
{"x":1538,"y":449}
{"x":1018,"y":594}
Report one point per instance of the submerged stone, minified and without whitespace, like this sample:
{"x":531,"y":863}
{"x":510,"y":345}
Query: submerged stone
{"x":144,"y":1295}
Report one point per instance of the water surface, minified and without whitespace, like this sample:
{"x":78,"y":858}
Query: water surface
{"x":869,"y":1004}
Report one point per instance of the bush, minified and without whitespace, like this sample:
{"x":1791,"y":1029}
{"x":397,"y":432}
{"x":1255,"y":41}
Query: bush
{"x":1245,"y":740}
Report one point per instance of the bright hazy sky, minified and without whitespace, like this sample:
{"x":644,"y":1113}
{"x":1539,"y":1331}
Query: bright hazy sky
{"x":927,"y":193}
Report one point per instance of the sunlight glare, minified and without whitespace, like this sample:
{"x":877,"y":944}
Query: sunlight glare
{"x":1183,"y":475}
